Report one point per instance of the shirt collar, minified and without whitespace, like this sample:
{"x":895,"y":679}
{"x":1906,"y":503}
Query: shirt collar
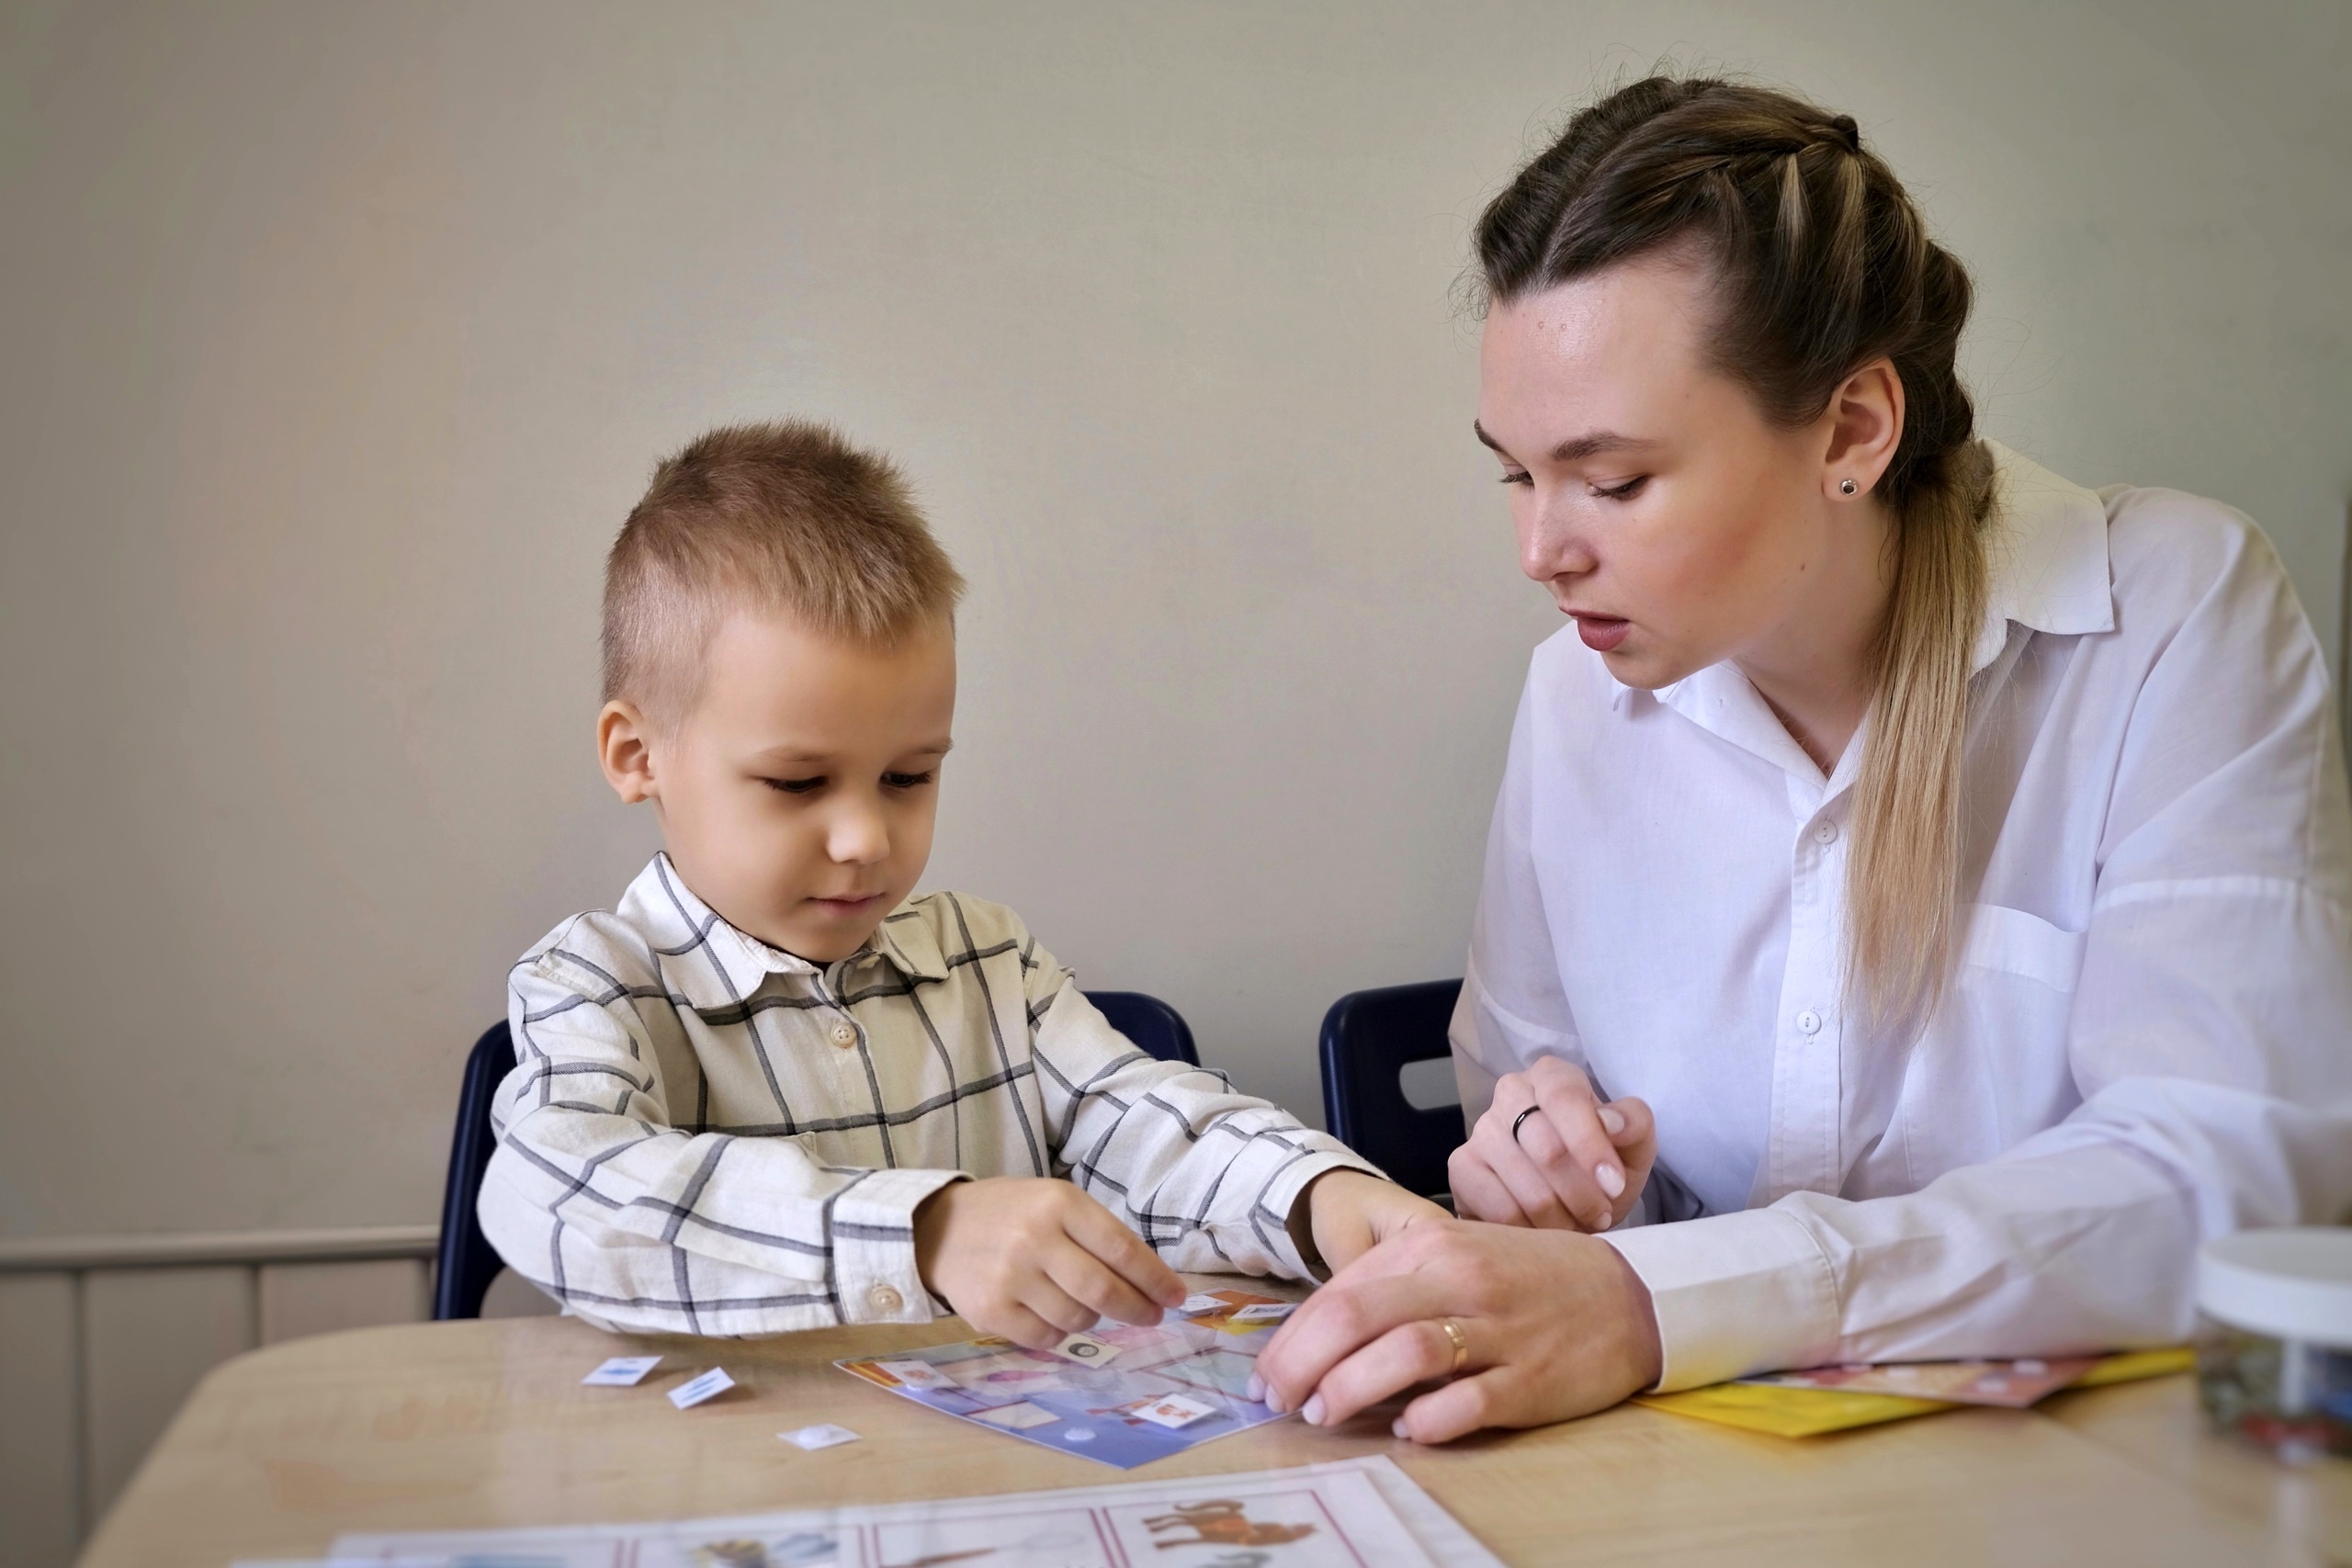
{"x":2049,"y":573}
{"x":713,"y":965}
{"x":2048,"y":556}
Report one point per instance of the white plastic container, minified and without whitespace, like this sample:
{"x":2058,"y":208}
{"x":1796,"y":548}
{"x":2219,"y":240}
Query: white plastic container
{"x":2273,"y":1344}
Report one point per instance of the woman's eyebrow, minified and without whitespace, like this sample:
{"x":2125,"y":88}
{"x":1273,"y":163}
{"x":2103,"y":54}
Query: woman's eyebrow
{"x":1575,"y":448}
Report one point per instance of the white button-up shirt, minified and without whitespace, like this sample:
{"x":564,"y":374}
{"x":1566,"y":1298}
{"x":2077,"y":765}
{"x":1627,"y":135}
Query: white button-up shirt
{"x":2147,"y":1039}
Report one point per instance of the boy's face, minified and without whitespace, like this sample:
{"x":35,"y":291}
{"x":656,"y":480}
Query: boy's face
{"x":797,"y":797}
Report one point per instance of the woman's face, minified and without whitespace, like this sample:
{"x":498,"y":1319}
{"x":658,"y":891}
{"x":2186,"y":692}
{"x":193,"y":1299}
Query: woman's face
{"x":1675,"y":524}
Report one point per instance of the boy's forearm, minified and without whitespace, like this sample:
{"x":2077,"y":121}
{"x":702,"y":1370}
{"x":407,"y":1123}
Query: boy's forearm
{"x":716,"y":1235}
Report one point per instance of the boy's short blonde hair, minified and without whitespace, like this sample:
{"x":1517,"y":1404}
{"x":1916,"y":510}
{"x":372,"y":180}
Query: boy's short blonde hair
{"x":784,"y":516}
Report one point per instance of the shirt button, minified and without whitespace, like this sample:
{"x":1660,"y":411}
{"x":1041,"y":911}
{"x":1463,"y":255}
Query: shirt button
{"x":1825,"y":834}
{"x":1809,"y":1020}
{"x":884,"y":1298}
{"x":845,"y":1035}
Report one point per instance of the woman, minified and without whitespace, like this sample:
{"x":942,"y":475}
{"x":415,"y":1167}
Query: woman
{"x":1951,"y":863}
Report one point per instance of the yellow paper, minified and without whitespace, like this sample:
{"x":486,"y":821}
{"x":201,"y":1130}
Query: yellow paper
{"x":2126,"y":1366}
{"x":1809,"y":1412}
{"x":1789,"y":1412}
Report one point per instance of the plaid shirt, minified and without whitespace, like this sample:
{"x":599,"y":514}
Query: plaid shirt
{"x":705,"y":1135}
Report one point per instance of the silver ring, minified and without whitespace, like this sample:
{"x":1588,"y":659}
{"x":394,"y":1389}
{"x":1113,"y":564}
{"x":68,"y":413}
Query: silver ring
{"x":1519,"y":1118}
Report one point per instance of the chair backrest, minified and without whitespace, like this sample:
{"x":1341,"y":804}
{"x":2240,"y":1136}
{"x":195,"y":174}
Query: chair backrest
{"x":1368,"y":1038}
{"x":467,"y":1263}
{"x":1149,"y":1023}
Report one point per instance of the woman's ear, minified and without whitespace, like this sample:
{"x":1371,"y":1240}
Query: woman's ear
{"x":625,"y":748}
{"x":1865,"y":418}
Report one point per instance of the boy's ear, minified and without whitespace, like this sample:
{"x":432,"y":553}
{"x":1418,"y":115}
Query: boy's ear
{"x":623,"y":747}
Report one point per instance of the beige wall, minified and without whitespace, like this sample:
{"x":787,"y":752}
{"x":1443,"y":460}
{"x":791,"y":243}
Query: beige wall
{"x":334,"y":340}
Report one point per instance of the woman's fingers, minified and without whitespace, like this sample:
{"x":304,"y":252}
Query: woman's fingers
{"x":1566,"y":1171}
{"x":1343,"y":1318}
{"x":1588,"y":1161}
{"x":1522,"y":1140}
{"x":1411,"y":1353}
{"x":1462,"y":1407}
{"x":1478,"y":1192}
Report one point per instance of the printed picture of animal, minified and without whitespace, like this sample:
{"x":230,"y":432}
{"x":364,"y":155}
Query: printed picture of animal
{"x":1221,"y":1522}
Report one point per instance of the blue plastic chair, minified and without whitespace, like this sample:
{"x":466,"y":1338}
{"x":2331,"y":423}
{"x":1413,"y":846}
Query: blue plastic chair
{"x":467,"y":1263}
{"x":1368,"y":1038}
{"x":1149,"y":1023}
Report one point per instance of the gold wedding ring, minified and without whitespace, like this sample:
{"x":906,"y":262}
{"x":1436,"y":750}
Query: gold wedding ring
{"x":1461,"y":1346}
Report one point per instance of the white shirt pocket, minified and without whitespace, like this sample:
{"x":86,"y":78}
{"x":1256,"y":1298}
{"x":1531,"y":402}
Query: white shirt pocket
{"x":2014,"y":942}
{"x":1991,"y":1068}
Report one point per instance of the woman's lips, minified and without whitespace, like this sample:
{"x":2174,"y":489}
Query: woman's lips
{"x":1602,"y":633}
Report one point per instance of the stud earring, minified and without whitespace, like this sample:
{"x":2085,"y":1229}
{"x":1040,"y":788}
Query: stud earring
{"x":1847,"y":487}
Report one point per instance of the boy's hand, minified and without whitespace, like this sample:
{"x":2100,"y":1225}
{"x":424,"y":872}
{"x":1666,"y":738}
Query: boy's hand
{"x":1036,"y":1260}
{"x":1350,"y":1213}
{"x":1576,"y":1163}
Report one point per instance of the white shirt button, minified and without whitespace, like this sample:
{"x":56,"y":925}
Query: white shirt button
{"x":1809,"y":1020}
{"x":1824,"y":833}
{"x":845,"y":1035}
{"x":884,"y":1298}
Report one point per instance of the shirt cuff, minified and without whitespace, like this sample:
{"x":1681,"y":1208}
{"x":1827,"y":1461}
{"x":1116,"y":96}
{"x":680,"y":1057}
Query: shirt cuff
{"x":1281,"y":1196}
{"x":1733,"y":1293}
{"x":872,"y":1230}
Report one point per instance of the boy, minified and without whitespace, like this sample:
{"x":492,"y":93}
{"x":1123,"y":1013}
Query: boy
{"x":769,"y":1091}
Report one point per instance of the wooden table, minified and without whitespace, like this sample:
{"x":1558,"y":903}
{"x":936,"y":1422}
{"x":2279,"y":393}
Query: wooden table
{"x":452,"y":1425}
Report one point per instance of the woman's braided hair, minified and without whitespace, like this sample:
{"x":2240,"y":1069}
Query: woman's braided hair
{"x":1820,"y":263}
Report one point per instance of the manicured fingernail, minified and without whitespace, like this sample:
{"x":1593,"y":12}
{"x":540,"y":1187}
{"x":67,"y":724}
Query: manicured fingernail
{"x":1612,"y":1179}
{"x":1396,"y":1429}
{"x":1274,"y":1400}
{"x":1612,"y":1120}
{"x":1256,"y":1393}
{"x":1313,"y":1410}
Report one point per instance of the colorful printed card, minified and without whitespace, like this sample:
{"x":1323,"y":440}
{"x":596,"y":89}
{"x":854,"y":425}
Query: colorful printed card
{"x":1837,"y":1399}
{"x":2013,"y":1384}
{"x":1127,"y":1396}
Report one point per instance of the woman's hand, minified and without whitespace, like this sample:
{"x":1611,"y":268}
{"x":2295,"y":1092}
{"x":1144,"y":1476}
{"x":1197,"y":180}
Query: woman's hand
{"x":1575,"y":1163}
{"x":1553,"y":1325}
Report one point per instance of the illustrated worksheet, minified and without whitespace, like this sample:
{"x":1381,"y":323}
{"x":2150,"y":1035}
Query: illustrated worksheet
{"x":1362,"y":1513}
{"x":1122,"y":1395}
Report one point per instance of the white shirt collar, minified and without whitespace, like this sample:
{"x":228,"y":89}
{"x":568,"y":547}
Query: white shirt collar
{"x":715,"y":966}
{"x":2048,"y":558}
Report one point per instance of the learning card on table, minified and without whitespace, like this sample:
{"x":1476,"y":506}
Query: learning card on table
{"x":1837,"y":1399}
{"x":2014,"y":1384}
{"x":1362,"y":1513}
{"x":1121,"y":1394}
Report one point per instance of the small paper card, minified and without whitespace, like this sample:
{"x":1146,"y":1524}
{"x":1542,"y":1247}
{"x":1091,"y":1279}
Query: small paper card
{"x":1087,"y":1350}
{"x":622,"y":1371}
{"x":917,"y":1374}
{"x":710,"y":1385}
{"x":1176,"y":1410}
{"x":823,"y":1435}
{"x":1270,"y":1311}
